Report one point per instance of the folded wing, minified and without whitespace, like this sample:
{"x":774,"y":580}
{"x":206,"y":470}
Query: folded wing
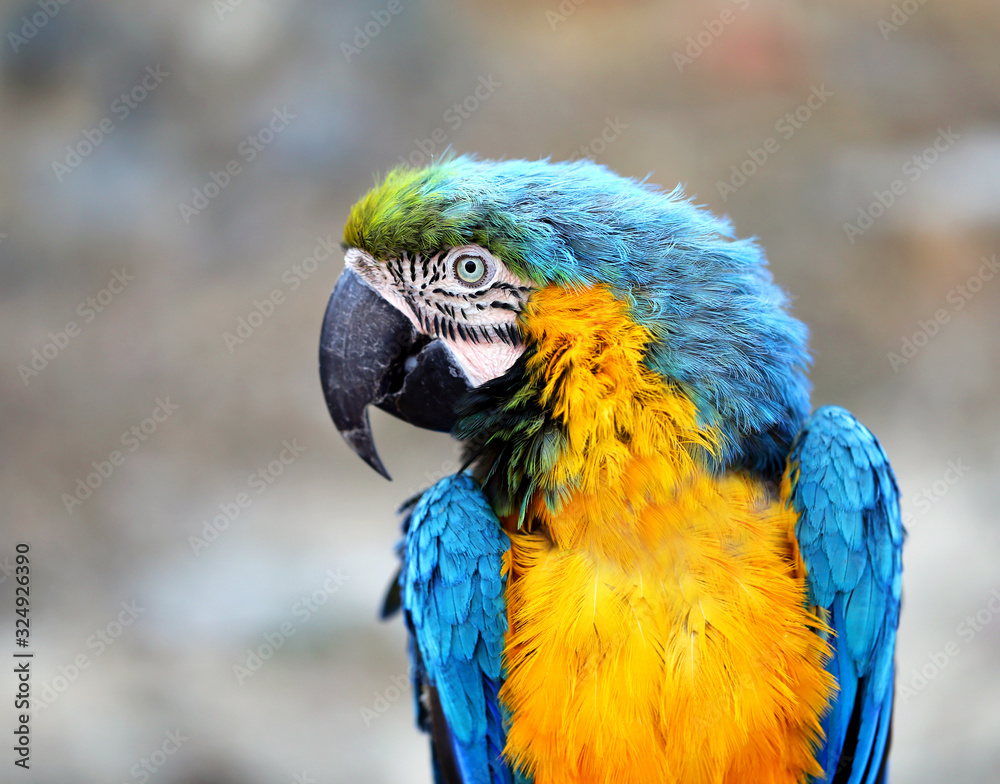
{"x":453,"y":594}
{"x":850,"y":537}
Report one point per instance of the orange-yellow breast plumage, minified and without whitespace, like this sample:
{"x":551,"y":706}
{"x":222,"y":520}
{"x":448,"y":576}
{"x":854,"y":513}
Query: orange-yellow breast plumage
{"x":658,"y":622}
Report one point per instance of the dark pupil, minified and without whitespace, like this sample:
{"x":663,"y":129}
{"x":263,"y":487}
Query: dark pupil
{"x":470,"y":267}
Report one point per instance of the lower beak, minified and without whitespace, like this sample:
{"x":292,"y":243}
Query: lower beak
{"x":370,"y":353}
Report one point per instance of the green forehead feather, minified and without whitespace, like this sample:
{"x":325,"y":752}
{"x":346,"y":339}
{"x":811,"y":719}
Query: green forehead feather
{"x":429,"y":210}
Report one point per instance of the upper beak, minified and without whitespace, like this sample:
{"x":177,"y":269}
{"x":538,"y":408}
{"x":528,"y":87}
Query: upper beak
{"x":370,"y":353}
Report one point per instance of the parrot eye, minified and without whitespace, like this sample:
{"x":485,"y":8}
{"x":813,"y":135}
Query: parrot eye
{"x":472,"y":270}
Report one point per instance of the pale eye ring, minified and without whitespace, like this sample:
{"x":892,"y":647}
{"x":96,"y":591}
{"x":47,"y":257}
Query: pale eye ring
{"x":470,"y":269}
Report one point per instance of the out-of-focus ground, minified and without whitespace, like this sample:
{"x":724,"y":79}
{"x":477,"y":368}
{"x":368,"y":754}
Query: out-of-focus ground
{"x":139,"y":632}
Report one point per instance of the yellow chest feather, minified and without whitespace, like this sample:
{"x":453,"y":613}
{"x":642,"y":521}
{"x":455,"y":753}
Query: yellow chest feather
{"x":681,"y":652}
{"x":658,"y":627}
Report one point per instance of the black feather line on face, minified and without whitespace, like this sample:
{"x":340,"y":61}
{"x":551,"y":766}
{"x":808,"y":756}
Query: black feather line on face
{"x":395,"y":270}
{"x":451,"y":319}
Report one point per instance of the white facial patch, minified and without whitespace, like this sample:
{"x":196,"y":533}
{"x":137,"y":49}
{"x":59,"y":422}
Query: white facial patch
{"x":482,"y":362}
{"x":465,"y":297}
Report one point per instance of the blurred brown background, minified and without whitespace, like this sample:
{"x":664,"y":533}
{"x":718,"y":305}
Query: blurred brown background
{"x":166,"y":167}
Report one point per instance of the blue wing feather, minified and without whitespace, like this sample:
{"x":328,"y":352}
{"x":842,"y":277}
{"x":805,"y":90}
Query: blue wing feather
{"x":850,"y":536}
{"x":453,"y":593}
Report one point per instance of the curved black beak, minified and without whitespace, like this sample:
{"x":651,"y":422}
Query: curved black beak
{"x":370,"y":353}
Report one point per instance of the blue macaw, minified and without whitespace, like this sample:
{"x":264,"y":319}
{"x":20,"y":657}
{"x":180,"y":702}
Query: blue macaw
{"x":656,"y":565}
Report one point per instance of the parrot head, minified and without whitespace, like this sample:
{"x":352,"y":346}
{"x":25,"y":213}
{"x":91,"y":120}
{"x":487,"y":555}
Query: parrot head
{"x":456,"y":273}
